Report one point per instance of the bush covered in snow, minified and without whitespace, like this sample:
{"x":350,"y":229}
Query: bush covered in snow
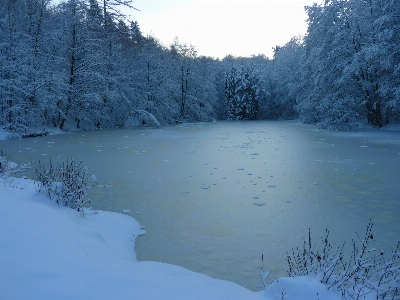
{"x":5,"y":165}
{"x":67,"y":183}
{"x":367,"y":274}
{"x":9,"y":168}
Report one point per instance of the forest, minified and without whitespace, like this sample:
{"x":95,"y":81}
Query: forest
{"x":83,"y":64}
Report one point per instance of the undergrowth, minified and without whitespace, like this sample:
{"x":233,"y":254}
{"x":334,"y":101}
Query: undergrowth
{"x":66,"y":183}
{"x":367,"y":274}
{"x":9,"y":169}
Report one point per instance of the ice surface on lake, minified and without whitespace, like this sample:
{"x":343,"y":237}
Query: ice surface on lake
{"x":193,"y":187}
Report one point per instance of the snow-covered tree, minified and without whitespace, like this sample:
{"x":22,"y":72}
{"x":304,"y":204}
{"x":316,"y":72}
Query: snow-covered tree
{"x":285,"y":78}
{"x":326,"y":100}
{"x":351,"y":58}
{"x":190,"y":84}
{"x":242,"y":93}
{"x":24,"y":56}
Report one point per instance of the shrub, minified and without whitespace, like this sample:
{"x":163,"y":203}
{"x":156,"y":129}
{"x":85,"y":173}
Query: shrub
{"x":4,"y":165}
{"x":9,"y":168}
{"x":66,"y":184}
{"x":367,"y":272}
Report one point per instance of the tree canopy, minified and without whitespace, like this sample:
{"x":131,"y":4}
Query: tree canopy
{"x":83,"y":64}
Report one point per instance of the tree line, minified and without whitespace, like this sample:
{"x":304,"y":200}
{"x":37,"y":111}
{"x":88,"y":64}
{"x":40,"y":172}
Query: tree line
{"x":83,"y":64}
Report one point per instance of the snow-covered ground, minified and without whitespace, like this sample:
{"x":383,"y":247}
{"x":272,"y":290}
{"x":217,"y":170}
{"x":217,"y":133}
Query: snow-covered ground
{"x":53,"y":252}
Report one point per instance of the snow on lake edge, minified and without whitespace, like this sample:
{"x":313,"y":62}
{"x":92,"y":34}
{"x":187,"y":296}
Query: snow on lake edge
{"x":52,"y":252}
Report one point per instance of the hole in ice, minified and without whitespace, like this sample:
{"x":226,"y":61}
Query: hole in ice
{"x":185,"y":192}
{"x":249,"y":173}
{"x":241,"y":169}
{"x":288,"y":201}
{"x":259,"y":203}
{"x":272,"y":186}
{"x":255,"y":197}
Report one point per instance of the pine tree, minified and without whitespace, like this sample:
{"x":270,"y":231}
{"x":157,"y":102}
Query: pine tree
{"x":242,"y":94}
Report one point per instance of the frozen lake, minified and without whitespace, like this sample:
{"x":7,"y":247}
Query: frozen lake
{"x":215,"y":197}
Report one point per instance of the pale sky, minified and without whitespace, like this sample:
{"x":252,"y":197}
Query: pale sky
{"x":221,"y":27}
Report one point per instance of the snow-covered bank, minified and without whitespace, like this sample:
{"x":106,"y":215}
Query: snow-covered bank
{"x":7,"y":135}
{"x":51,"y":252}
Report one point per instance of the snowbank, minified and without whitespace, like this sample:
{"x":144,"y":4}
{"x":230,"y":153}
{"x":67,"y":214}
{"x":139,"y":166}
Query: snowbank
{"x":52,"y":252}
{"x":6,"y":135}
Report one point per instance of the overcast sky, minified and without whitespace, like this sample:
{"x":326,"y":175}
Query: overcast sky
{"x":220,"y":27}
